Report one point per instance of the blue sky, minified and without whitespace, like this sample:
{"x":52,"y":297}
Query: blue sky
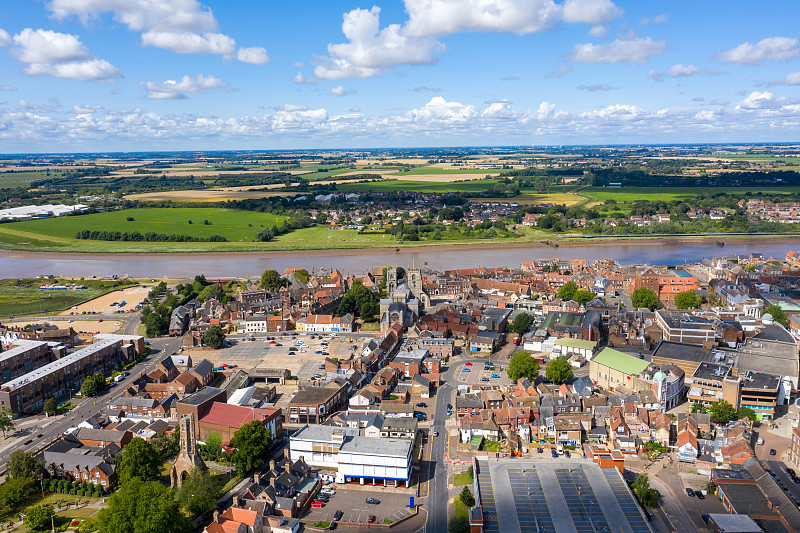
{"x":105,"y":75}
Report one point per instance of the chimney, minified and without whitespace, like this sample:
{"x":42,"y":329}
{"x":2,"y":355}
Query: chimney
{"x":272,"y":464}
{"x":216,"y":516}
{"x":236,"y":500}
{"x":288,"y":467}
{"x":272,"y":481}
{"x":257,"y":478}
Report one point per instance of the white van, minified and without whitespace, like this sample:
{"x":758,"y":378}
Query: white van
{"x":560,"y":449}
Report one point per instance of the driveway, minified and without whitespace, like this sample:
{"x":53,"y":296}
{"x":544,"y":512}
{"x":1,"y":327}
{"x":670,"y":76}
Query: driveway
{"x":352,"y":503}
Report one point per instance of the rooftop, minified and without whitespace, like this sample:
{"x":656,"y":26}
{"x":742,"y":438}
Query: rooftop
{"x":683,"y":352}
{"x":622,"y":362}
{"x":203,"y":395}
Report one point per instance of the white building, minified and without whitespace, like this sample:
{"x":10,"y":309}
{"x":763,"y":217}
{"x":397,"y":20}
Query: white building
{"x":368,"y":460}
{"x":254,"y":324}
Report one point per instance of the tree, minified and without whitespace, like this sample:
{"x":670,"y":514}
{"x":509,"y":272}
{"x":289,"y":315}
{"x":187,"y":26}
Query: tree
{"x":522,"y":365}
{"x":567,"y":291}
{"x":199,"y":492}
{"x":252,"y":443}
{"x":698,"y":407}
{"x":214,"y":291}
{"x":583,"y":297}
{"x":139,"y":459}
{"x":89,"y":386}
{"x":100,"y":381}
{"x":22,"y":464}
{"x":368,"y":311}
{"x":302,"y":275}
{"x":155,"y":323}
{"x":143,"y":507}
{"x":641,"y":489}
{"x":746,"y":412}
{"x":272,"y":281}
{"x":522,"y":322}
{"x":644,"y":297}
{"x":14,"y":490}
{"x":39,"y":517}
{"x":214,"y":337}
{"x":559,"y":370}
{"x":778,"y":315}
{"x":356,"y":298}
{"x":687,"y":300}
{"x":50,"y":406}
{"x":264,"y":235}
{"x":213,"y":444}
{"x":722,"y":412}
{"x":6,"y":420}
{"x":466,"y":497}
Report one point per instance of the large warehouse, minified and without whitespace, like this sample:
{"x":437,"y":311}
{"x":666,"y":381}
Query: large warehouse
{"x":553,"y":496}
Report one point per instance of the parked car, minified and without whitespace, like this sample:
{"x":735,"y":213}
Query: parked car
{"x":467,"y":364}
{"x":554,"y":453}
{"x":772,"y":451}
{"x":699,"y":495}
{"x":466,"y":369}
{"x":484,"y":379}
{"x":371,"y":519}
{"x":540,"y":450}
{"x":435,"y":433}
{"x":374,"y":501}
{"x":422,"y":404}
{"x":689,"y":492}
{"x":567,"y":454}
{"x":790,"y":471}
{"x":337,"y":515}
{"x":496,"y":376}
{"x":317,"y":503}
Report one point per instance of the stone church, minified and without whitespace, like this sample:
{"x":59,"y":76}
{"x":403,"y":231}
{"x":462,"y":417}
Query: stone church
{"x":406,"y":299}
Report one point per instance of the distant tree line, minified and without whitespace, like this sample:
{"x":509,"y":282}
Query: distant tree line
{"x":150,"y":236}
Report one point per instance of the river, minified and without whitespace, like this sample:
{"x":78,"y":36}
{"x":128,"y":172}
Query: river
{"x":223,"y":265}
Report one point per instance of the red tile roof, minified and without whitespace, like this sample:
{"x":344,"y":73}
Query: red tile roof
{"x":235,"y":416}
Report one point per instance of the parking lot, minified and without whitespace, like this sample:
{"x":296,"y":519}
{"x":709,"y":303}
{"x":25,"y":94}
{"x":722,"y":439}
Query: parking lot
{"x":474,"y":374}
{"x":290,"y":351}
{"x":352,"y":503}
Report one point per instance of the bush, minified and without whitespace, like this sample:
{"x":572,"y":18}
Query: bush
{"x":73,"y":492}
{"x":97,"y":494}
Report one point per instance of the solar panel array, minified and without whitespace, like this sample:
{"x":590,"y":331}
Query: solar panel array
{"x":530,"y":502}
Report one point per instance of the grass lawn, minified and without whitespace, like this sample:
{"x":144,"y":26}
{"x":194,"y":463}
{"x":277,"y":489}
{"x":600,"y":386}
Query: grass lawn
{"x":420,"y":186}
{"x":629,"y":194}
{"x":23,"y":179}
{"x":491,"y":446}
{"x":463,"y":479}
{"x":23,"y":296}
{"x":232,"y":224}
{"x":461,"y":510}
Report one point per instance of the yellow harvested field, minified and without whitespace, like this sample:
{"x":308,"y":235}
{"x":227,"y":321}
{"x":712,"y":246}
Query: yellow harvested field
{"x":529,"y":198}
{"x":102,"y":304}
{"x":207,"y":195}
{"x":440,"y":178}
{"x":80,"y":324}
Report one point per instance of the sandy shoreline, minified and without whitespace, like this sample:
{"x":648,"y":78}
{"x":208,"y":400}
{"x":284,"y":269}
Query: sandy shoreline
{"x":346,"y":252}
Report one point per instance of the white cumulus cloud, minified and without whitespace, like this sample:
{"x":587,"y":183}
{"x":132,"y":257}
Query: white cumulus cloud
{"x":341,"y":91}
{"x":765,"y":50}
{"x":793,"y":78}
{"x":300,"y":78}
{"x":5,"y":38}
{"x":62,"y":55}
{"x":177,"y":90}
{"x":590,"y":11}
{"x":255,"y":55}
{"x":190,"y":43}
{"x":760,"y":100}
{"x":638,"y":50}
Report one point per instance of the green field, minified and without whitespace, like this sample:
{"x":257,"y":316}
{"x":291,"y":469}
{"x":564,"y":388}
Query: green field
{"x":23,"y":297}
{"x":233,"y":225}
{"x":630,"y":194}
{"x":420,"y":186}
{"x":438,"y":170}
{"x":24,"y":179}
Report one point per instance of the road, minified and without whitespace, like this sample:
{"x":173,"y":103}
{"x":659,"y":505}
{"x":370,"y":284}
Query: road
{"x":437,"y":501}
{"x":779,"y":467}
{"x":51,"y":427}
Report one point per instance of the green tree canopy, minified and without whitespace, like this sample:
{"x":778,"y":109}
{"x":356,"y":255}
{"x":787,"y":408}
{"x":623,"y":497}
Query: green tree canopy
{"x":302,"y":275}
{"x":215,"y":291}
{"x":252,"y":443}
{"x":356,"y":298}
{"x":466,"y":497}
{"x":522,"y":365}
{"x":143,"y":507}
{"x":214,"y":337}
{"x":641,"y":489}
{"x":139,"y":459}
{"x":6,"y":420}
{"x":522,"y":322}
{"x":89,"y":386}
{"x":644,"y":297}
{"x":722,"y":412}
{"x":38,"y":517}
{"x":778,"y":315}
{"x":687,"y":300}
{"x":272,"y":281}
{"x":583,"y":297}
{"x":559,"y":370}
{"x":100,"y":381}
{"x":50,"y":406}
{"x":458,"y":524}
{"x":14,"y":490}
{"x":214,"y":444}
{"x":567,"y":291}
{"x":746,"y":412}
{"x":22,"y":464}
{"x":698,"y":407}
{"x":199,"y":492}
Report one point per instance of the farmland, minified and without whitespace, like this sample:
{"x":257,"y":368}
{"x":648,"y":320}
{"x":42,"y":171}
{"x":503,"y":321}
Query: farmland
{"x":233,"y":225}
{"x":419,"y":186}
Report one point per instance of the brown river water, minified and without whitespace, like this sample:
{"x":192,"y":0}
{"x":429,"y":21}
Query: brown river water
{"x":657,"y":252}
